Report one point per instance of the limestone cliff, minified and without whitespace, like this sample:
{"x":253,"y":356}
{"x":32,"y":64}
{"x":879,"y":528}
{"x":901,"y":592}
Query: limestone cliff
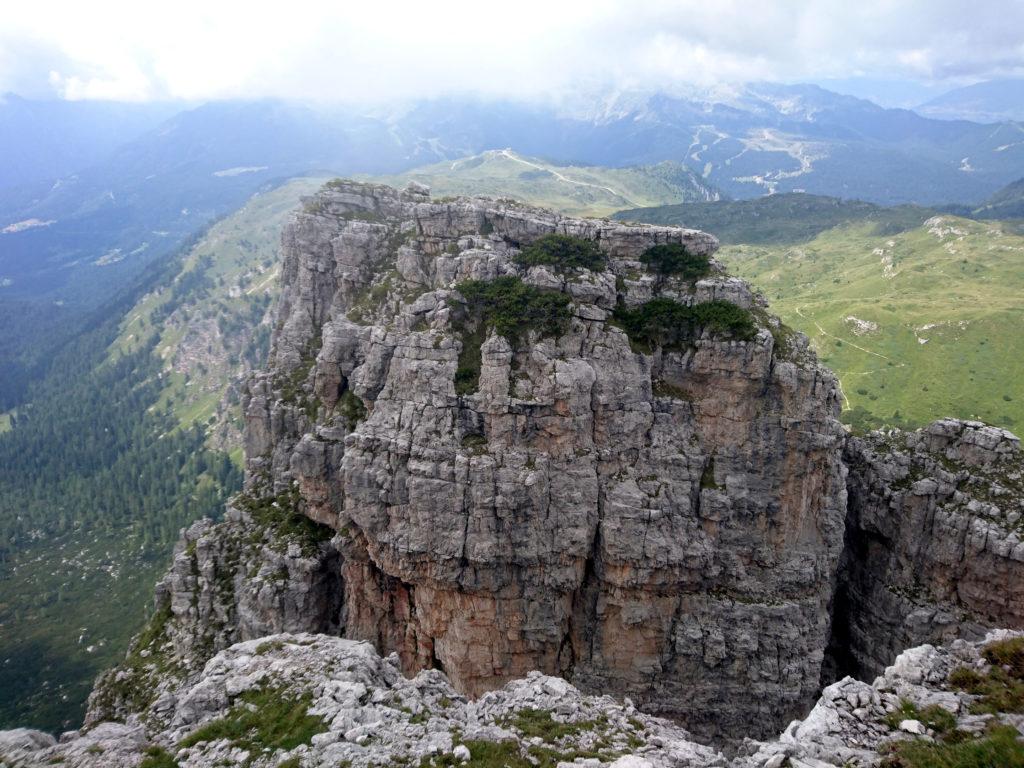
{"x":659,"y":524}
{"x":663,"y":520}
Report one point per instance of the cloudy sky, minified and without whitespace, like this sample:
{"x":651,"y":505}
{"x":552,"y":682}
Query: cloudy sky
{"x":383,"y":50}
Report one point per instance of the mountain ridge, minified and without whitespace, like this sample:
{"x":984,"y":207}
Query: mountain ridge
{"x":346,"y":523}
{"x":991,"y":101}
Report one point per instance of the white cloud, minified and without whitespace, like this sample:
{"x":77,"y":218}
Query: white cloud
{"x":398,"y":49}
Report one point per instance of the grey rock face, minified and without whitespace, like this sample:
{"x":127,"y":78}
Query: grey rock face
{"x":365,"y":714}
{"x":108,"y":745}
{"x":852,"y":723}
{"x":664,"y":526}
{"x":935,"y":540}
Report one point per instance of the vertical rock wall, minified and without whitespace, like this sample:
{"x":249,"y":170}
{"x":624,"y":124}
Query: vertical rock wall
{"x":664,"y":526}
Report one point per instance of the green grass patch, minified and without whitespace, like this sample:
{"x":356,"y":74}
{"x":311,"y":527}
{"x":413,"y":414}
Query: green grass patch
{"x":935,"y":717}
{"x":563,"y":252}
{"x":267,"y":718}
{"x":1001,"y":688}
{"x":281,"y":515}
{"x":1007,"y":653}
{"x":482,"y":754}
{"x":158,"y":757}
{"x":944,"y":313}
{"x":536,"y":724}
{"x":474,"y":443}
{"x":269,"y":646}
{"x":351,"y":408}
{"x":539,"y":723}
{"x":707,"y":477}
{"x":1001,"y":747}
{"x":670,"y":325}
{"x":662,"y":388}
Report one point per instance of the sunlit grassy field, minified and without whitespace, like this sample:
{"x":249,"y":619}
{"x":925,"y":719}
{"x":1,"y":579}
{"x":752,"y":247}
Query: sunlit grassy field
{"x":918,"y":325}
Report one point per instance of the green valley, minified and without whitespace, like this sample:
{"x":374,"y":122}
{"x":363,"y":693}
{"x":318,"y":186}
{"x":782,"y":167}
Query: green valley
{"x":918,"y":313}
{"x":212,"y":323}
{"x":778,"y":219}
{"x":126,"y":440}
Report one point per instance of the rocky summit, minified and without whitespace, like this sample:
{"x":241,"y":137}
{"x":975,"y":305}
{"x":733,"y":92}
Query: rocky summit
{"x":522,"y":456}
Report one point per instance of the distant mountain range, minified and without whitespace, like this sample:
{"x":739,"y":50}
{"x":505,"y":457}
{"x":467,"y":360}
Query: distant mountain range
{"x":1007,"y":203}
{"x":45,"y":140}
{"x":994,"y":101}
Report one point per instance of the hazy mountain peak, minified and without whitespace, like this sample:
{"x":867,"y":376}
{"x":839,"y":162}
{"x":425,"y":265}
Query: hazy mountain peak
{"x":992,"y":101}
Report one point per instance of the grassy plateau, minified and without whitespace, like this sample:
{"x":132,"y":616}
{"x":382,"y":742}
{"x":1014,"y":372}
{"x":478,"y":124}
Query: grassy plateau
{"x":919,"y":324}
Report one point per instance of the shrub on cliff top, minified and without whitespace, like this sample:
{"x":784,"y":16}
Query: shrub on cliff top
{"x":563,"y":252}
{"x":670,"y":325}
{"x":675,"y":259}
{"x":512,"y":308}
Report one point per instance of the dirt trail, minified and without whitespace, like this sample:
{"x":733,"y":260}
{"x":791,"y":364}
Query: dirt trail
{"x":823,"y":332}
{"x":509,"y":156}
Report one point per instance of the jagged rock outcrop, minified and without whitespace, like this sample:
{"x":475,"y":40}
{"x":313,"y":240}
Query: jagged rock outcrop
{"x":664,"y":525}
{"x":919,"y":701}
{"x":935,"y":541}
{"x":244,"y":578}
{"x":316,"y":701}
